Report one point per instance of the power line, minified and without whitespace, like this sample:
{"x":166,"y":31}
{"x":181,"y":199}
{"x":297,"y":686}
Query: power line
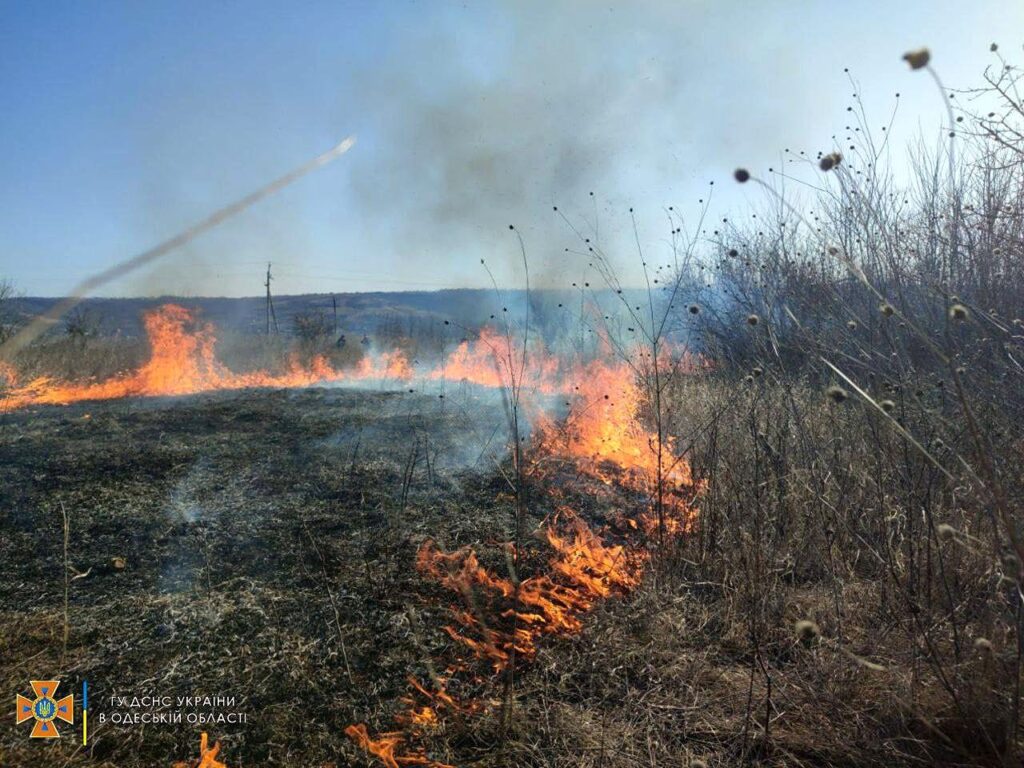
{"x":270,"y":304}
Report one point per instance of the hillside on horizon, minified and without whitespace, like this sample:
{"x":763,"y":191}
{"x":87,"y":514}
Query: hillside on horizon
{"x":356,"y":313}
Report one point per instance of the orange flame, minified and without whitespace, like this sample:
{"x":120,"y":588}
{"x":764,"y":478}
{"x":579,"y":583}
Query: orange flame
{"x":384,"y":748}
{"x":427,"y":715}
{"x":605,"y":438}
{"x":182,"y":362}
{"x":207,"y":755}
{"x":388,"y":365}
{"x":500,"y":619}
{"x":602,"y":436}
{"x":8,"y":376}
{"x":495,"y":360}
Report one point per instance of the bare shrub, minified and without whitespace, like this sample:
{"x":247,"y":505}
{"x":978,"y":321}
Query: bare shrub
{"x":81,"y":324}
{"x":312,"y":329}
{"x":860,"y":440}
{"x":8,"y":316}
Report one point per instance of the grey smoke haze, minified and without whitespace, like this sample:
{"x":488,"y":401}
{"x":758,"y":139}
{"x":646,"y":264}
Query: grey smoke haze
{"x":624,"y":101}
{"x":128,"y":123}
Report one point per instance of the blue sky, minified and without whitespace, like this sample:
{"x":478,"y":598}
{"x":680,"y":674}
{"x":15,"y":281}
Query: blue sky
{"x":125,"y":122}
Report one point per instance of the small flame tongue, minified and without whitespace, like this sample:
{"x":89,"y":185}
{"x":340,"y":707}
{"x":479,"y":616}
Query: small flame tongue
{"x":8,"y":375}
{"x":207,"y":755}
{"x":384,"y":748}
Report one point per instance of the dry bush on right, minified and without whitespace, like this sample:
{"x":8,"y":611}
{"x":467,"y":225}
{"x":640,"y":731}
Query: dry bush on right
{"x":861,"y":535}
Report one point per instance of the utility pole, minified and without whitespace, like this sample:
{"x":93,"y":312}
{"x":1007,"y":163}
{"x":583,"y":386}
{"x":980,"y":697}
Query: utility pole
{"x":334,"y":305}
{"x":270,"y":304}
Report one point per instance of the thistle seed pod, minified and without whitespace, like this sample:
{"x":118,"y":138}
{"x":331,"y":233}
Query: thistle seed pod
{"x":918,"y":59}
{"x":836,"y":394}
{"x":830,"y":161}
{"x":806,"y":631}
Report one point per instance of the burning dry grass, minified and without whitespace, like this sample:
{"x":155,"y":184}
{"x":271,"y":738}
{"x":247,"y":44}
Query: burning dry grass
{"x":501,"y":619}
{"x":195,"y":560}
{"x":604,"y":436}
{"x":279,"y":545}
{"x":181,"y":360}
{"x":582,"y":570}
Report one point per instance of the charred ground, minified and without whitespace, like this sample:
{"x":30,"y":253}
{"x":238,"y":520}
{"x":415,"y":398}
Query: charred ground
{"x":244,"y":521}
{"x":269,"y":542}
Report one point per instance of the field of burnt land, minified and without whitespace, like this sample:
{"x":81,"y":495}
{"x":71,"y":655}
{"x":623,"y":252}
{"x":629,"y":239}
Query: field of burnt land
{"x":265,"y":544}
{"x":258,"y":544}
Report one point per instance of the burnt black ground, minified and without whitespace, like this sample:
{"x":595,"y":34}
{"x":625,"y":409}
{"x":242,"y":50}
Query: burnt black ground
{"x":268,"y":541}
